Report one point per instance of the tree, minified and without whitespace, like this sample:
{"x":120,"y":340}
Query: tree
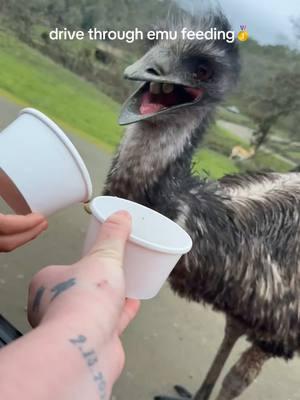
{"x":279,"y":98}
{"x":22,"y":15}
{"x":296,"y":26}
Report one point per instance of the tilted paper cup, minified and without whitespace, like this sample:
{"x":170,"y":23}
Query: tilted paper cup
{"x":154,"y":247}
{"x":40,"y":169}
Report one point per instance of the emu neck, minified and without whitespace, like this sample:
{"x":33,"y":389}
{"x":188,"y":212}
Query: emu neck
{"x":152,"y":152}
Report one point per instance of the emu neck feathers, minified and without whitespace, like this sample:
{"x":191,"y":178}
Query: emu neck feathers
{"x":151,"y":153}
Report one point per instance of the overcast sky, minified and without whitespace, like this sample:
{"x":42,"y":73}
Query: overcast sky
{"x":268,"y":21}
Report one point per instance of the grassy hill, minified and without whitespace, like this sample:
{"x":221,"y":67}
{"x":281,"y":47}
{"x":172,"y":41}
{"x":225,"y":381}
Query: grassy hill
{"x":37,"y":81}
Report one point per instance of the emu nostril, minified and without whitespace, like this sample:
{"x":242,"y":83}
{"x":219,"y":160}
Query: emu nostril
{"x":153,"y":71}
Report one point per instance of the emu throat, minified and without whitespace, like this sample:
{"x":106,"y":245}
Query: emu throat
{"x":150,"y":155}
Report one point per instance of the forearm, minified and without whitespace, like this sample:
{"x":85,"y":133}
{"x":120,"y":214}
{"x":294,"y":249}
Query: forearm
{"x":55,"y":361}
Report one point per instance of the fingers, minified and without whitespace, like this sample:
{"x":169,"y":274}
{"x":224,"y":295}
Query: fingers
{"x":12,"y":241}
{"x":111,"y":241}
{"x":14,"y":224}
{"x":130,"y":310}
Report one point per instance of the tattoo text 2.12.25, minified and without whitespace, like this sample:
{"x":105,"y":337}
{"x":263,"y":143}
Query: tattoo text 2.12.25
{"x":91,"y":361}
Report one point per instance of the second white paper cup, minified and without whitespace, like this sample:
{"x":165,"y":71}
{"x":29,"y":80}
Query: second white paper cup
{"x":43,"y":164}
{"x":155,"y":245}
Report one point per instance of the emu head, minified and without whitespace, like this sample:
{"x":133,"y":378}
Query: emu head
{"x":183,"y":76}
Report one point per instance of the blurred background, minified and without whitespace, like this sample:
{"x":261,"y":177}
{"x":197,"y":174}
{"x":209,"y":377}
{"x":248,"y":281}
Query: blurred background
{"x":262,"y":117}
{"x":79,"y":84}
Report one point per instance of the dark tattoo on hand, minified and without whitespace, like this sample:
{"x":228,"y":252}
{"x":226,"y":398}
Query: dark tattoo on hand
{"x":91,"y":360}
{"x":56,"y":290}
{"x":62,"y":287}
{"x":37,"y":299}
{"x":79,"y":340}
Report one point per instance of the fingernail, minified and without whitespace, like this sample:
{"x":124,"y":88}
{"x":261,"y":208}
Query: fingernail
{"x":123,"y":214}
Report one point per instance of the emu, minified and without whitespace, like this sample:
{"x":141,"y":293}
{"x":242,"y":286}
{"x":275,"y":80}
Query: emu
{"x":245,"y":260}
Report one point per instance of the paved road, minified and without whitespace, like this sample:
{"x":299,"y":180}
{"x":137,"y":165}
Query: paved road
{"x":170,"y":342}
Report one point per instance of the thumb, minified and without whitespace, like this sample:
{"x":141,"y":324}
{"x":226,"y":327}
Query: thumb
{"x":112,"y":238}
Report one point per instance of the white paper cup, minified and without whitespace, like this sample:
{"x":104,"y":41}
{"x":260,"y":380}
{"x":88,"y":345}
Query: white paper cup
{"x":154,"y":247}
{"x":42,"y":165}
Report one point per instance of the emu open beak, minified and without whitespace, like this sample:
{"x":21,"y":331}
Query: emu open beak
{"x":159,"y":93}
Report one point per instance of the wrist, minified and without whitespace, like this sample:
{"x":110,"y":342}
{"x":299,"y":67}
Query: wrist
{"x":68,"y":319}
{"x":94,"y":310}
{"x":98,"y":333}
{"x":89,"y":347}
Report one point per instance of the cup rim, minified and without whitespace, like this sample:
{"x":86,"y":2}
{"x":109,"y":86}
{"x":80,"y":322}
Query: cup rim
{"x":68,"y":144}
{"x":151,"y":245}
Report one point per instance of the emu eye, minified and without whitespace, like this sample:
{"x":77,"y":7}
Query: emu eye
{"x":203,"y":73}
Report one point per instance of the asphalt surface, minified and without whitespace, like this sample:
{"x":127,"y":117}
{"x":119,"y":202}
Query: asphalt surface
{"x":171,"y":341}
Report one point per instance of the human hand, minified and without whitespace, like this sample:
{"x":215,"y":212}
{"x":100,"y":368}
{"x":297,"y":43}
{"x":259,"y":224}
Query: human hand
{"x":89,"y":296}
{"x":16,"y":230}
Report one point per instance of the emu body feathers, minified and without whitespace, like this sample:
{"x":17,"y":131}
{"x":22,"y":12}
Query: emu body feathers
{"x":245,"y":259}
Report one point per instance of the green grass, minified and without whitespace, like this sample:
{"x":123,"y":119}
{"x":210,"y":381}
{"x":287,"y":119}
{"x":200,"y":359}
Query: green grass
{"x":294,"y":155}
{"x":213,"y":164}
{"x":266,"y":161}
{"x":38,"y":82}
{"x":222,"y":141}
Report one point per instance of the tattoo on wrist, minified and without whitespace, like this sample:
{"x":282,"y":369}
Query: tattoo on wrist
{"x":62,"y":287}
{"x":37,"y":299}
{"x":91,"y":361}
